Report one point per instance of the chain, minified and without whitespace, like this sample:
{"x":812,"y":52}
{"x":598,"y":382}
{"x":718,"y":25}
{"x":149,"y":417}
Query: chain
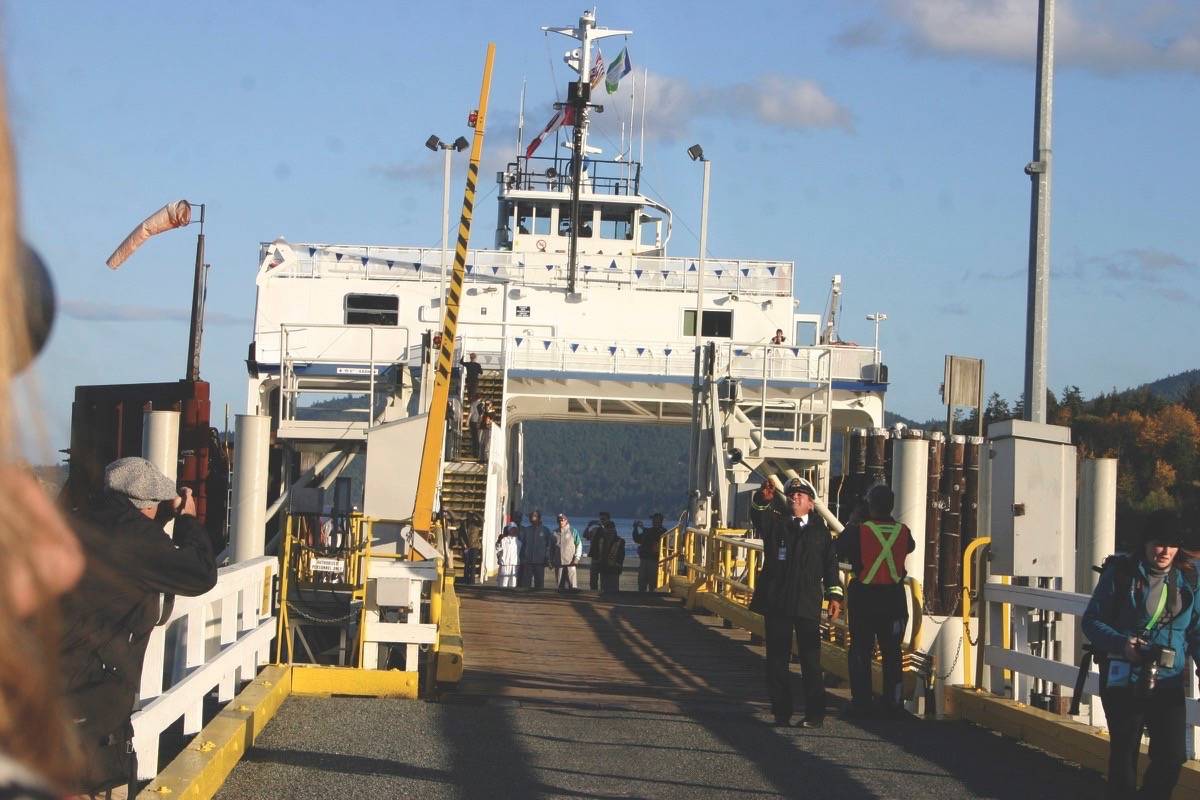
{"x":321,"y":620}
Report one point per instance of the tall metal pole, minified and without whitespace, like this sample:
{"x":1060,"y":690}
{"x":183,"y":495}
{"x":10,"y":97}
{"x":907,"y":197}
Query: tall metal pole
{"x":445,"y":234}
{"x":197,"y":322}
{"x":703,"y":248}
{"x":1039,"y":222}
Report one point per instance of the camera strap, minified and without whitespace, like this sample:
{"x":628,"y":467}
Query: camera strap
{"x":1167,"y":593}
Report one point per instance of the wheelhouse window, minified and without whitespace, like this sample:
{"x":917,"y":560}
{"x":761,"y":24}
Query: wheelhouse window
{"x":372,"y":309}
{"x":533,"y":218}
{"x":717,"y":324}
{"x":586,"y":213}
{"x":616,"y":223}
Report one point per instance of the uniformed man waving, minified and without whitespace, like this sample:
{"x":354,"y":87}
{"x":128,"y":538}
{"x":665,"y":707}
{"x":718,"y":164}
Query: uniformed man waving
{"x":798,"y":569}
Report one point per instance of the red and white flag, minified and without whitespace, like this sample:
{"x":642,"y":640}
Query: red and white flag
{"x":597,"y":74}
{"x":564,"y":116}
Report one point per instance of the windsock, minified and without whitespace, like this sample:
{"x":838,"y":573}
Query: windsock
{"x":172,"y":215}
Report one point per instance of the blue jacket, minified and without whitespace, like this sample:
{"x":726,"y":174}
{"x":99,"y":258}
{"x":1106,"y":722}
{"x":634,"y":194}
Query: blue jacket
{"x":1111,"y":619}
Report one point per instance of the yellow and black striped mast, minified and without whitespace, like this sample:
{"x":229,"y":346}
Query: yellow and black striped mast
{"x":431,"y":455}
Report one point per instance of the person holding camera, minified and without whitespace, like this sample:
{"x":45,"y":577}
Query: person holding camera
{"x":1144,"y":621}
{"x":107,"y":620}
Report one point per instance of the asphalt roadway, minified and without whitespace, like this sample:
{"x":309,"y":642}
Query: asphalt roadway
{"x":628,"y":696}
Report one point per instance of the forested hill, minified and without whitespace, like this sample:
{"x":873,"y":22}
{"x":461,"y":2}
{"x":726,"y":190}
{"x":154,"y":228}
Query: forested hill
{"x":1172,"y":388}
{"x":627,"y":469}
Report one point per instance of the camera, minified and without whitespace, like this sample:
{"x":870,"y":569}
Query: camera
{"x":1154,"y":658}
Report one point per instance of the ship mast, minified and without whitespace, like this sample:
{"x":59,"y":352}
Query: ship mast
{"x":578,"y":98}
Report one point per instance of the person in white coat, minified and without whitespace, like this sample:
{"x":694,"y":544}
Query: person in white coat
{"x":508,"y":555}
{"x":565,"y":549}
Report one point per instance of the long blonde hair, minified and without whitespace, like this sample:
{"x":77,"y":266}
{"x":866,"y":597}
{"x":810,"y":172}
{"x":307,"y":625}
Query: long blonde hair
{"x":34,"y":729}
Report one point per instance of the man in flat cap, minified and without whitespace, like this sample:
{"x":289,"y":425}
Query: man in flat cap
{"x":107,"y":620}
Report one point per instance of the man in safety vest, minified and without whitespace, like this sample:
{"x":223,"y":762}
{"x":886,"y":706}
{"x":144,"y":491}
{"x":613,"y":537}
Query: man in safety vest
{"x":875,"y":551}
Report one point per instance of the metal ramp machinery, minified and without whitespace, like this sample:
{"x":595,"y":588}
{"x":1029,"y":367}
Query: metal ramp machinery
{"x":360,"y":592}
{"x":774,"y":406}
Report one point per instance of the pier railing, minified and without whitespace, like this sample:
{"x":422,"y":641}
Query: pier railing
{"x":1008,"y":665}
{"x":724,"y":563}
{"x":215,"y":641}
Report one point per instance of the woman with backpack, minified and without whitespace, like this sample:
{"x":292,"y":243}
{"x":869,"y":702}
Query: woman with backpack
{"x":1144,"y":621}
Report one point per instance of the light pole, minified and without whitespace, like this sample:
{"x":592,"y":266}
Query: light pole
{"x":458,"y":145}
{"x":696,"y":153}
{"x":696,"y":489}
{"x":876,"y":318}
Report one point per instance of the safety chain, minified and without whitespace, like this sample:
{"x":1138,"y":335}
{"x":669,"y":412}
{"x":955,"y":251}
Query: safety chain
{"x":321,"y":620}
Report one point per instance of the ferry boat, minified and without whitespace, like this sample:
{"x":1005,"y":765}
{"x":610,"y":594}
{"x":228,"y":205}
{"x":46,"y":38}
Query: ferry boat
{"x":606,"y":335}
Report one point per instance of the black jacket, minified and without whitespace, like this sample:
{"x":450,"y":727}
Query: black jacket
{"x":108,"y":618}
{"x":794,"y":585}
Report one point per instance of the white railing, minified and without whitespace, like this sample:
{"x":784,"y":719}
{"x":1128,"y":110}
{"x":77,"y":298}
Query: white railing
{"x":653,"y":273}
{"x":218,"y":639}
{"x":1027,"y":667}
{"x":631,"y":357}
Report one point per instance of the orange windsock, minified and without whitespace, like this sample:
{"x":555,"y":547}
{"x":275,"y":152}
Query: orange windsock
{"x":172,"y":215}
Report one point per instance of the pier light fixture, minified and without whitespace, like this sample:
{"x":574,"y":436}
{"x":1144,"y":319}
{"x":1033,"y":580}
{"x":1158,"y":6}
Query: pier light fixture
{"x":696,"y":152}
{"x":457,"y":146}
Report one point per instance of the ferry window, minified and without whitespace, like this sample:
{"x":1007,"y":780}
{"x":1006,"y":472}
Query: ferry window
{"x":533,"y":219}
{"x":616,"y":223}
{"x":717,"y":324}
{"x":585,"y":220}
{"x":372,"y":309}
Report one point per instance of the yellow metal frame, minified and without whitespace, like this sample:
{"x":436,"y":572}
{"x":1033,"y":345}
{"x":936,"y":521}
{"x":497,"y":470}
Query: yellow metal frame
{"x":713,"y":561}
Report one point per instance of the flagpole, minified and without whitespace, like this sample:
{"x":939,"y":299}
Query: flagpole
{"x":645,"y":91}
{"x":521,"y":119}
{"x":632,"y":117}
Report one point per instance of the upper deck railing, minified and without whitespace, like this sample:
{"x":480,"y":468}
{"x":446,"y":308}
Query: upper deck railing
{"x":420,"y":264}
{"x":553,"y":174}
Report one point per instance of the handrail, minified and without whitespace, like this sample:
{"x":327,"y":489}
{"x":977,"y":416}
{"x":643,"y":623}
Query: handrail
{"x":226,"y":635}
{"x":719,"y":569}
{"x":967,"y":594}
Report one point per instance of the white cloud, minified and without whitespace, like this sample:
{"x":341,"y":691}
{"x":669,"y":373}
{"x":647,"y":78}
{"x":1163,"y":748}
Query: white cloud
{"x":775,"y":100}
{"x":1105,"y":36}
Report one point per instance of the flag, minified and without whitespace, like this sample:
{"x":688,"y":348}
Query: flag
{"x":564,"y":116}
{"x":597,"y":73}
{"x":619,"y":68}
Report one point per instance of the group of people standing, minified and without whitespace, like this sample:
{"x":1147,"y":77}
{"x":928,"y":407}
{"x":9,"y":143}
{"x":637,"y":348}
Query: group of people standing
{"x":524,"y":551}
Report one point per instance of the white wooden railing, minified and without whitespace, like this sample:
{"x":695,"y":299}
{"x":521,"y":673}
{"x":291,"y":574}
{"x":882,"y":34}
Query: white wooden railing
{"x":214,"y":641}
{"x":1025,"y":666}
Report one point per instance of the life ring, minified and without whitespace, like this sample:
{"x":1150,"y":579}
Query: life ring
{"x":541,"y":245}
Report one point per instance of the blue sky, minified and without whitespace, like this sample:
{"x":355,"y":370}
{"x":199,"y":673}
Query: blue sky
{"x":883,"y":140}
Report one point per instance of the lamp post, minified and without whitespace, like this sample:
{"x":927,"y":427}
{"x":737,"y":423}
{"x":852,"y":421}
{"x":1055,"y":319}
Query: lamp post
{"x":458,"y":145}
{"x":696,"y":489}
{"x":696,"y":153}
{"x":876,"y":318}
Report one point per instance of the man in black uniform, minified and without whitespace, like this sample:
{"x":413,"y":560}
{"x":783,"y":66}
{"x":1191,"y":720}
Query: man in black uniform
{"x":107,"y":620}
{"x":798,"y":569}
{"x":875,"y":550}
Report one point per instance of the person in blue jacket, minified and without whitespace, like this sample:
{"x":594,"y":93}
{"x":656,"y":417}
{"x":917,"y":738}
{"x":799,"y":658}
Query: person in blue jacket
{"x":1144,"y":621}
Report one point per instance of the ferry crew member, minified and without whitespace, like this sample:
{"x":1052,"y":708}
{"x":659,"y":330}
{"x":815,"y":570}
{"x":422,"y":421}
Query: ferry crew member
{"x":875,"y":551}
{"x":1144,"y":618}
{"x":798,"y":568}
{"x":473,"y":369}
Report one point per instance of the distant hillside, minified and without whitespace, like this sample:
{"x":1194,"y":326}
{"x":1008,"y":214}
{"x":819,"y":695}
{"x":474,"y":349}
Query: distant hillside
{"x":1171,"y":388}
